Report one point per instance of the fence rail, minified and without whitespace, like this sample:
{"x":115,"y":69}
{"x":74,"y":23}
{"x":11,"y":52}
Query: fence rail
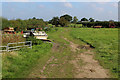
{"x":3,"y":47}
{"x":16,"y":46}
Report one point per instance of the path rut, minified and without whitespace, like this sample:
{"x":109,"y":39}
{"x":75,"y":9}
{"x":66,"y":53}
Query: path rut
{"x":91,"y":68}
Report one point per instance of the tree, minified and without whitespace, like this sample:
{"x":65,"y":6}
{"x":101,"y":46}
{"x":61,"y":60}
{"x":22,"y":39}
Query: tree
{"x":23,"y":25}
{"x":15,"y":24}
{"x":111,"y":24}
{"x":34,"y":18}
{"x":67,"y":17}
{"x":55,"y":21}
{"x":63,"y":22}
{"x":97,"y":21}
{"x":5,"y":23}
{"x":36,"y":23}
{"x":84,"y":19}
{"x":91,"y":19}
{"x":75,"y":20}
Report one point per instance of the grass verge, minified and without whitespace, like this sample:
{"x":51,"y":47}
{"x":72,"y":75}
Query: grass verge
{"x":18,"y":64}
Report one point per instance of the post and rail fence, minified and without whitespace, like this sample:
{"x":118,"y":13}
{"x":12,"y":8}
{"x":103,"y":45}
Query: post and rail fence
{"x":16,"y":46}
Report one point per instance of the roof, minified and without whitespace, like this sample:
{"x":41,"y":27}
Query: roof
{"x":9,"y":29}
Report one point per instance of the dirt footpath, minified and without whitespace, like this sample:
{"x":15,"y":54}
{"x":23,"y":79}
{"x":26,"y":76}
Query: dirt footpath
{"x":78,"y":63}
{"x":91,"y":67}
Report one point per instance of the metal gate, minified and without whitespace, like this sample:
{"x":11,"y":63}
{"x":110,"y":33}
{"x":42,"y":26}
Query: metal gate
{"x":16,"y":46}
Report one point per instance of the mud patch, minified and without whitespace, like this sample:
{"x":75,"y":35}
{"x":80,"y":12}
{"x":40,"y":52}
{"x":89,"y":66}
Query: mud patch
{"x":55,"y":47}
{"x":84,"y":47}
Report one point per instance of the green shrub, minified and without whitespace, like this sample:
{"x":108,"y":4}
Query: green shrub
{"x":34,"y":40}
{"x":53,"y":30}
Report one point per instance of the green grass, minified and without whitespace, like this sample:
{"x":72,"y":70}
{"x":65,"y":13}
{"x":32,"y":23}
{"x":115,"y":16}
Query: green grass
{"x":57,"y":34}
{"x":21,"y":63}
{"x":18,"y":64}
{"x":62,"y":53}
{"x":105,"y":41}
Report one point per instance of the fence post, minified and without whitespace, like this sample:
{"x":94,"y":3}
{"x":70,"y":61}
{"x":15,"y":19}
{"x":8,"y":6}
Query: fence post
{"x":7,"y":48}
{"x":31,"y":44}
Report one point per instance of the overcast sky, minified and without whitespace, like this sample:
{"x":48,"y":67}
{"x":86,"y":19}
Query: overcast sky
{"x":46,"y":10}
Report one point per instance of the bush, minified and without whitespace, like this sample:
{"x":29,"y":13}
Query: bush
{"x":34,"y":40}
{"x":53,"y":30}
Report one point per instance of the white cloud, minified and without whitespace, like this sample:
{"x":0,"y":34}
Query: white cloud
{"x":67,"y":4}
{"x":115,"y":5}
{"x":100,"y":9}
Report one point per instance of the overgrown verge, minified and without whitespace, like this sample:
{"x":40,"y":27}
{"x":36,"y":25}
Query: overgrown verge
{"x":11,"y":38}
{"x":18,"y":64}
{"x":105,"y":42}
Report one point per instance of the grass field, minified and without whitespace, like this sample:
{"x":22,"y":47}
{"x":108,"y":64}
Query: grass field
{"x":29,"y":62}
{"x":105,"y":41}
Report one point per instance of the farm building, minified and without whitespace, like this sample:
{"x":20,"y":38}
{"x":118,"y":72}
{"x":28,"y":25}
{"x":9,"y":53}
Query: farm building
{"x":97,"y":27}
{"x":9,"y":30}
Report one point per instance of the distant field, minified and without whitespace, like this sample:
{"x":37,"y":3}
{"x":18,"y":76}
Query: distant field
{"x":105,"y":42}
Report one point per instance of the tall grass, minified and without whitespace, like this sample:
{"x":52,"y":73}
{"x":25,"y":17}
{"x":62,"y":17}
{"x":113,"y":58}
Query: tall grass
{"x":11,"y":38}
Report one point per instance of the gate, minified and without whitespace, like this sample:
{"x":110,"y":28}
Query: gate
{"x":16,"y":46}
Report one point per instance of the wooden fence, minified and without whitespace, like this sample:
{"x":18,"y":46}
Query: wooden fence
{"x":16,"y":46}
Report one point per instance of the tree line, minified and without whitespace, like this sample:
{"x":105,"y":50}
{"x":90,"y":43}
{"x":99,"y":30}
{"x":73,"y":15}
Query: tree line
{"x":20,"y":25}
{"x":62,"y":21}
{"x":67,"y":19}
